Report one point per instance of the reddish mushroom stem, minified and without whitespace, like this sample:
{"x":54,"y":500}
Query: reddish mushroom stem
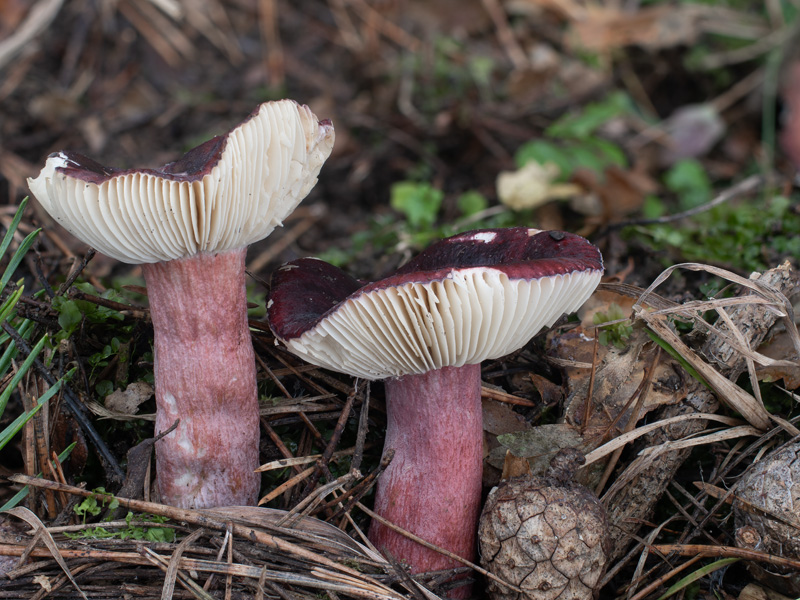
{"x":205,"y":377}
{"x":432,"y":487}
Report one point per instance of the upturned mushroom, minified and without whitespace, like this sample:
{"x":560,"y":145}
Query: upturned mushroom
{"x":189,"y":224}
{"x":425,"y":329}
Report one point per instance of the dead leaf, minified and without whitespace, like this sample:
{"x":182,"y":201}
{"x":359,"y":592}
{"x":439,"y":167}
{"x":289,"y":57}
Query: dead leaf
{"x":753,"y":591}
{"x":499,"y":418}
{"x":618,"y":374}
{"x":532,"y":185}
{"x":65,"y":432}
{"x":127,"y":402}
{"x":549,"y":392}
{"x":36,"y":22}
{"x":538,"y":445}
{"x":11,"y":14}
{"x":605,"y":28}
{"x":612,"y":197}
{"x":44,"y":581}
{"x":515,"y":467}
{"x":693,"y":130}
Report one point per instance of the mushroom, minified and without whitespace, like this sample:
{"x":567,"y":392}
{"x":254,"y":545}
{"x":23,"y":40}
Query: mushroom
{"x":425,"y":329}
{"x":189,"y":224}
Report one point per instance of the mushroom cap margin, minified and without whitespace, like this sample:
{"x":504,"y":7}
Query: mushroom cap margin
{"x":227,"y":193}
{"x":434,"y":312}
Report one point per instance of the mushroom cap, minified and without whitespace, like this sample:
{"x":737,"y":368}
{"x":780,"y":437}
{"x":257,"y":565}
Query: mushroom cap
{"x":229,"y":192}
{"x":475,"y":296}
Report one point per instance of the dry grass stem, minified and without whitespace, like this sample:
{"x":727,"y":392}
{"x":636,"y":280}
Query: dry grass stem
{"x":621,"y":440}
{"x":430,"y":546}
{"x":749,"y":406}
{"x":327,"y":553}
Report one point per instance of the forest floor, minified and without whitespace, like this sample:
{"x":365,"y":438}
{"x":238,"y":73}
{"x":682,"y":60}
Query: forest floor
{"x":651,"y":128}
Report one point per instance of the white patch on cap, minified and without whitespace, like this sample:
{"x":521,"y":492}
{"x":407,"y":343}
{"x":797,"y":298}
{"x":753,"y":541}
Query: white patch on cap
{"x":532,"y":232}
{"x":60,"y":160}
{"x":483,"y":236}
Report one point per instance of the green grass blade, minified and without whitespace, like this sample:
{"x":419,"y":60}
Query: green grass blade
{"x":20,"y":373}
{"x":20,"y":495}
{"x":11,"y":430}
{"x":17,"y":258}
{"x":13,"y":227}
{"x":10,"y":352}
{"x":674,"y":354}
{"x":8,"y":306}
{"x":699,"y":574}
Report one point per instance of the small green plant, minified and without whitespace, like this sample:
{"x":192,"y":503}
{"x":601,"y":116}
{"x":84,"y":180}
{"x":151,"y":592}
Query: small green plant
{"x":71,"y":313}
{"x":418,"y":201}
{"x":90,"y":507}
{"x":747,"y":237}
{"x":688,"y":180}
{"x":420,"y":204}
{"x":572,"y":142}
{"x":614,"y":334}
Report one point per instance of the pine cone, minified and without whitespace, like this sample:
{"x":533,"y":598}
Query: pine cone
{"x":547,"y":535}
{"x":771,"y":485}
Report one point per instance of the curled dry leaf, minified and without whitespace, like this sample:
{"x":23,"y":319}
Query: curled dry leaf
{"x":606,"y":28}
{"x":775,"y":304}
{"x":693,"y":130}
{"x":532,"y":185}
{"x":777,"y":347}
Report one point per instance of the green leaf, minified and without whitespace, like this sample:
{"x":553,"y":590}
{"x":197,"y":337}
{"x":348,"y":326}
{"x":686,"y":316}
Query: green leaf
{"x":419,"y":202}
{"x":69,"y":315}
{"x":586,"y":158}
{"x":471,"y":202}
{"x":609,"y":152}
{"x":104,"y":388}
{"x":593,"y":116}
{"x":698,"y":574}
{"x":87,"y":506}
{"x":11,"y":302}
{"x":160,"y":534}
{"x":12,"y":228}
{"x":336,"y":256}
{"x":653,"y":207}
{"x":688,"y":180}
{"x":24,"y":331}
{"x":17,"y":258}
{"x":677,"y":356}
{"x":543,"y":151}
{"x":591,"y":153}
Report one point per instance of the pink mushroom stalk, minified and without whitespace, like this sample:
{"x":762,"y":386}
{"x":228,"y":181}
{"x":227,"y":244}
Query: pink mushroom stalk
{"x":189,"y":224}
{"x":425,"y":329}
